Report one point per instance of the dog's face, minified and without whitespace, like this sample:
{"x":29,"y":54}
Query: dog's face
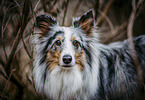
{"x":66,"y":50}
{"x":65,"y":47}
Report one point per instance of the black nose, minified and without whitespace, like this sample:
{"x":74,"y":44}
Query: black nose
{"x":67,"y":59}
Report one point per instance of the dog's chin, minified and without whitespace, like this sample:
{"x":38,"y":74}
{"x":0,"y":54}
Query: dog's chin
{"x":67,"y":66}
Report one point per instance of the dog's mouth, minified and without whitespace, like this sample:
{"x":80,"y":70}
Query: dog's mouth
{"x":67,"y":66}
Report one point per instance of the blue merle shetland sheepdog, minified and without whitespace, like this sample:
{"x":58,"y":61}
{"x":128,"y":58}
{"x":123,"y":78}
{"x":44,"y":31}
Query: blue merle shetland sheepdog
{"x":71,"y":64}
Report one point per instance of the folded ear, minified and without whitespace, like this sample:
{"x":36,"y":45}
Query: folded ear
{"x":43,"y":24}
{"x":85,"y":22}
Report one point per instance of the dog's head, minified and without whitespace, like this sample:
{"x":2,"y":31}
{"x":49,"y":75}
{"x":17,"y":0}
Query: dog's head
{"x":64,"y":63}
{"x":65,"y":47}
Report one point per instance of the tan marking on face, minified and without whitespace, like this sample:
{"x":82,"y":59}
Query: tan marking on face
{"x":80,"y":59}
{"x":53,"y":59}
{"x":40,"y":35}
{"x":60,"y":38}
{"x":52,"y":66}
{"x":73,"y":38}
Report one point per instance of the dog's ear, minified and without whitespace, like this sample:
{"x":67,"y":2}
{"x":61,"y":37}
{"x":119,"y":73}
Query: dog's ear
{"x":85,"y":22}
{"x":43,"y":24}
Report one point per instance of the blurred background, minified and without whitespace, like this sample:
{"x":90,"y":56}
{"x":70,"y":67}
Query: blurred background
{"x":116,"y":20}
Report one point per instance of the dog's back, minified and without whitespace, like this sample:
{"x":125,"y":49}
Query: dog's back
{"x":118,"y":72}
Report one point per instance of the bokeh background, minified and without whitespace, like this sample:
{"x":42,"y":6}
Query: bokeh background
{"x":116,"y":20}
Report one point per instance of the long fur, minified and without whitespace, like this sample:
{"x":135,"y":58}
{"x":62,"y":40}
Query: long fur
{"x":106,"y":70}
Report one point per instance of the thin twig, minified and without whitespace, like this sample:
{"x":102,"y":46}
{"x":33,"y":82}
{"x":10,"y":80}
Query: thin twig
{"x":50,"y":8}
{"x":44,"y":5}
{"x":33,"y":12}
{"x":25,"y":47}
{"x":36,"y":5}
{"x":2,"y":70}
{"x":18,"y":4}
{"x":96,"y":9}
{"x":108,"y":21}
{"x":7,"y":23}
{"x":116,"y":33}
{"x":105,"y":11}
{"x":3,"y":43}
{"x":14,"y":79}
{"x":14,"y":47}
{"x":140,"y":6}
{"x":3,"y":30}
{"x":8,"y":8}
{"x":15,"y":6}
{"x":77,"y":6}
{"x":2,"y":2}
{"x":131,"y":44}
{"x":65,"y":10}
{"x":100,"y":4}
{"x":21,"y":45}
{"x":3,"y":73}
{"x":5,"y":88}
{"x":1,"y":61}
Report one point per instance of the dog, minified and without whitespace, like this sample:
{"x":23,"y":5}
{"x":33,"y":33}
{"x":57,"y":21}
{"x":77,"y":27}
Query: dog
{"x":71,"y":64}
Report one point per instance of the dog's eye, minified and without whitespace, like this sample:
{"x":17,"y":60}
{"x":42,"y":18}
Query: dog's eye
{"x":75,"y":43}
{"x":58,"y":42}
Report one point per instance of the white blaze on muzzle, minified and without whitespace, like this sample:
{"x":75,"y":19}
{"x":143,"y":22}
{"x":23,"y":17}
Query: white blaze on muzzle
{"x":67,"y":58}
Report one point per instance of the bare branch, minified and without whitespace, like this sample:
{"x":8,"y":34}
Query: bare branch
{"x":14,"y":47}
{"x":65,"y":10}
{"x":18,"y":4}
{"x":105,"y":11}
{"x":25,"y":47}
{"x":2,"y":2}
{"x":55,"y":1}
{"x":5,"y":88}
{"x":34,"y":16}
{"x":130,"y":39}
{"x":4,"y":28}
{"x":44,"y":5}
{"x":2,"y":62}
{"x":140,"y":6}
{"x":108,"y":21}
{"x":116,"y":33}
{"x":36,"y":5}
{"x":3,"y":73}
{"x":77,"y":6}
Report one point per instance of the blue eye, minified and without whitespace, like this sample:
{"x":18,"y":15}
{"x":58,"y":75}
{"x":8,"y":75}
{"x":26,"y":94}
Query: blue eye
{"x":75,"y":43}
{"x":58,"y":42}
